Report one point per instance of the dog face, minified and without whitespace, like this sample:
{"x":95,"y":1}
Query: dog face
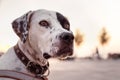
{"x":48,"y":32}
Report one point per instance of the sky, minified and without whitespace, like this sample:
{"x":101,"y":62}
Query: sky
{"x":89,"y":16}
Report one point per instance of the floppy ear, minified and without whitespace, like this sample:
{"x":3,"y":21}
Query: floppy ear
{"x":21,"y":26}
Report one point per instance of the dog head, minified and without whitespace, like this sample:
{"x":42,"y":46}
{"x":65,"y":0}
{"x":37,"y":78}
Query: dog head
{"x":48,"y":33}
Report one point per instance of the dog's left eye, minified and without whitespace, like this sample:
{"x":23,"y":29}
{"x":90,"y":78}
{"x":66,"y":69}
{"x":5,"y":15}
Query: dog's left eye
{"x":67,"y":26}
{"x":44,"y":23}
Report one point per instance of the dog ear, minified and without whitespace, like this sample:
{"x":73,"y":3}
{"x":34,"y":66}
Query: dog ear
{"x":21,"y":26}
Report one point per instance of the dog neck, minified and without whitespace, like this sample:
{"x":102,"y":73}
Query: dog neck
{"x":33,"y":67}
{"x":27,"y":49}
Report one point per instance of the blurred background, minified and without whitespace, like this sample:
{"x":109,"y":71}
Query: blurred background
{"x":95,"y":24}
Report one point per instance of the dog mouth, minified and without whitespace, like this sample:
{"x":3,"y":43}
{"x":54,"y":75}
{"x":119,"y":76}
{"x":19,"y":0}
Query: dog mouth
{"x":46,"y":56}
{"x":64,"y":52}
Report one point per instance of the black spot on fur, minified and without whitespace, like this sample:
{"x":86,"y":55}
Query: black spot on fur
{"x":51,"y":40}
{"x":52,"y":44}
{"x":21,"y":28}
{"x":50,"y":32}
{"x":56,"y":37}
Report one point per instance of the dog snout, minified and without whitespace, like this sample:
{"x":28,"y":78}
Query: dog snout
{"x":67,"y":38}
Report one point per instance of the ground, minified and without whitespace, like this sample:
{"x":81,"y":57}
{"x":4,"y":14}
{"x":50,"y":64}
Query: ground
{"x":85,"y":70}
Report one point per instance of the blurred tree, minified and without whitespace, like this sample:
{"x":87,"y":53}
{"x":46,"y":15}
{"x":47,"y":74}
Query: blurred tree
{"x":104,"y":36}
{"x":78,"y":37}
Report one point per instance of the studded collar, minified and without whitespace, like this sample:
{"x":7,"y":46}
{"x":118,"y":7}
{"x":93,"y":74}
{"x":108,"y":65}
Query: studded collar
{"x":32,"y":67}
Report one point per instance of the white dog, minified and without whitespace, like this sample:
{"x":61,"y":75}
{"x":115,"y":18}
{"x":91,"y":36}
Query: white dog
{"x":43,"y":34}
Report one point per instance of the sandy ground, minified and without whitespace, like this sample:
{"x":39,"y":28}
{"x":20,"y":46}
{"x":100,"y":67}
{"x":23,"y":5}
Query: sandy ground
{"x":85,"y":70}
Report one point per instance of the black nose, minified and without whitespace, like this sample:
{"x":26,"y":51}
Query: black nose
{"x":67,"y":37}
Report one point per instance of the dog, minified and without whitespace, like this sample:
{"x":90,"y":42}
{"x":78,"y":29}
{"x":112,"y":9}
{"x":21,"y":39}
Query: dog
{"x":43,"y":34}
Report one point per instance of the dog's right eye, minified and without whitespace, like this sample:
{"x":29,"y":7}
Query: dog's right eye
{"x":44,"y":23}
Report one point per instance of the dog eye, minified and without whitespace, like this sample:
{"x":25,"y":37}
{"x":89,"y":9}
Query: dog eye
{"x":44,"y":23}
{"x":67,"y":26}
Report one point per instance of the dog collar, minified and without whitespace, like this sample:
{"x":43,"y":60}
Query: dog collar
{"x":32,"y":67}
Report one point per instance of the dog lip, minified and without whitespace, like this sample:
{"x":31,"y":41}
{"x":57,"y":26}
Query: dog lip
{"x":65,"y":52}
{"x":46,"y":56}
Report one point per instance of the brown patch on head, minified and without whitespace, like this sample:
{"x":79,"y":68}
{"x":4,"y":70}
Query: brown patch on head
{"x":63,"y":21}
